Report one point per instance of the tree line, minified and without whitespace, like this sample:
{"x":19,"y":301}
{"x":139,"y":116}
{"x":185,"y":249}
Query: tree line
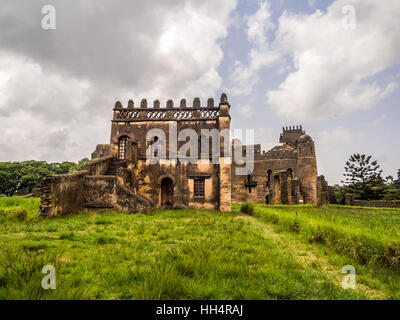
{"x":363,"y":178}
{"x":15,"y":176}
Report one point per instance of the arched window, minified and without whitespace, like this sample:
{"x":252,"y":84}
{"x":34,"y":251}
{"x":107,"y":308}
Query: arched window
{"x":122,"y":143}
{"x":155,"y":147}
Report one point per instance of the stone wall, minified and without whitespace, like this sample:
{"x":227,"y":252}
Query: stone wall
{"x":149,"y":177}
{"x":323,"y":195}
{"x":102,"y":150}
{"x":260,"y":186}
{"x":99,"y":167}
{"x":80,"y":192}
{"x":99,"y":192}
{"x":63,"y":194}
{"x":130,"y":202}
{"x":106,"y":193}
{"x":350,"y":201}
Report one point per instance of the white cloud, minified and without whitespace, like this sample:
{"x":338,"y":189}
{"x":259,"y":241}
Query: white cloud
{"x":258,"y":25}
{"x":335,"y":68}
{"x":328,"y":142}
{"x":57,"y":88}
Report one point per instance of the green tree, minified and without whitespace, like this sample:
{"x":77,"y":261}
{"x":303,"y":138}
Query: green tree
{"x":81,"y":164}
{"x":396,"y":183}
{"x":363,"y":178}
{"x":340,"y":193}
{"x":15,"y":176}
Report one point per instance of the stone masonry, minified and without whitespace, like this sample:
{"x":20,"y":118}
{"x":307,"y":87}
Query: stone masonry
{"x":120,"y":176}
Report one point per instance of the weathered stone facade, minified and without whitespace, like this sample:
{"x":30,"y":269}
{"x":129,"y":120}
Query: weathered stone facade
{"x":124,"y":179}
{"x":286,"y":174}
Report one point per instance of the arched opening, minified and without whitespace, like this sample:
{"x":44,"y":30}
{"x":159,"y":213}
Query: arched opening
{"x":155,"y":147}
{"x":167,"y":193}
{"x":122,"y":146}
{"x":277,"y":190}
{"x":290,"y":173}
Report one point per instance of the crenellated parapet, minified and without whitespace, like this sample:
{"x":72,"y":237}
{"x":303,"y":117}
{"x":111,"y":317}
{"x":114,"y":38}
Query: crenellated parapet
{"x":278,"y":152}
{"x":291,"y":134}
{"x":170,"y":112}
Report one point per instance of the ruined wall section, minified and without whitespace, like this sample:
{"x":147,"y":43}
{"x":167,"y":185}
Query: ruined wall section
{"x":307,"y":169}
{"x":351,"y":201}
{"x":102,"y":150}
{"x":89,"y":189}
{"x":260,"y":185}
{"x":323,"y":192}
{"x":63,"y":194}
{"x":107,"y":193}
{"x":286,"y":174}
{"x":100,"y":166}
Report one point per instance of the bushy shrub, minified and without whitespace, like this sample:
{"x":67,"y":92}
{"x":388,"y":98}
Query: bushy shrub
{"x":244,"y":207}
{"x":17,"y":212}
{"x":20,"y":214}
{"x":296,"y":227}
{"x":67,"y":236}
{"x":247,"y":208}
{"x":276,"y":218}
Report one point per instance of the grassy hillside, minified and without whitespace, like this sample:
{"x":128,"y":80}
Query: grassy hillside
{"x":189,"y":254}
{"x":370,"y":235}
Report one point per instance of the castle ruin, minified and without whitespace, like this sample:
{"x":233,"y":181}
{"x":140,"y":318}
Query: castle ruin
{"x":120,"y":177}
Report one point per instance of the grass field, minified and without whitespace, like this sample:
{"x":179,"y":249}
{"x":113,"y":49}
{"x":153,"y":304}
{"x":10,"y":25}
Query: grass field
{"x":269,"y":253}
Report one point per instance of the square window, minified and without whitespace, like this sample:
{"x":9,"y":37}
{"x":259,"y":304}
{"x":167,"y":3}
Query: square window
{"x":199,"y":188}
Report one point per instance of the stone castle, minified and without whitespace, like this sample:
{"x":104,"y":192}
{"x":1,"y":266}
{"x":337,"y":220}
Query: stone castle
{"x":120,"y":177}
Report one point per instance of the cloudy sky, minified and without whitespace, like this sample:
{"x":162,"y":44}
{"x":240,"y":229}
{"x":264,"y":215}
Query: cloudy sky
{"x":281,"y":62}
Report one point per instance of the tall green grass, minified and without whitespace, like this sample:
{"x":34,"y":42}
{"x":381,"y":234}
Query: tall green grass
{"x":27,"y":207}
{"x":181,"y":254}
{"x":372,"y":236}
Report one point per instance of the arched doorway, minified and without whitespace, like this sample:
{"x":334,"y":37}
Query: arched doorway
{"x":167,"y":193}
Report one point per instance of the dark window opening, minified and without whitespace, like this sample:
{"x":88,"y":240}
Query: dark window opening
{"x":155,"y":147}
{"x":199,"y":188}
{"x":250,"y":184}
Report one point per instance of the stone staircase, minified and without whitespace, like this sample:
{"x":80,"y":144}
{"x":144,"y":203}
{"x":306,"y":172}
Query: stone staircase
{"x":115,"y":164}
{"x":105,"y":192}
